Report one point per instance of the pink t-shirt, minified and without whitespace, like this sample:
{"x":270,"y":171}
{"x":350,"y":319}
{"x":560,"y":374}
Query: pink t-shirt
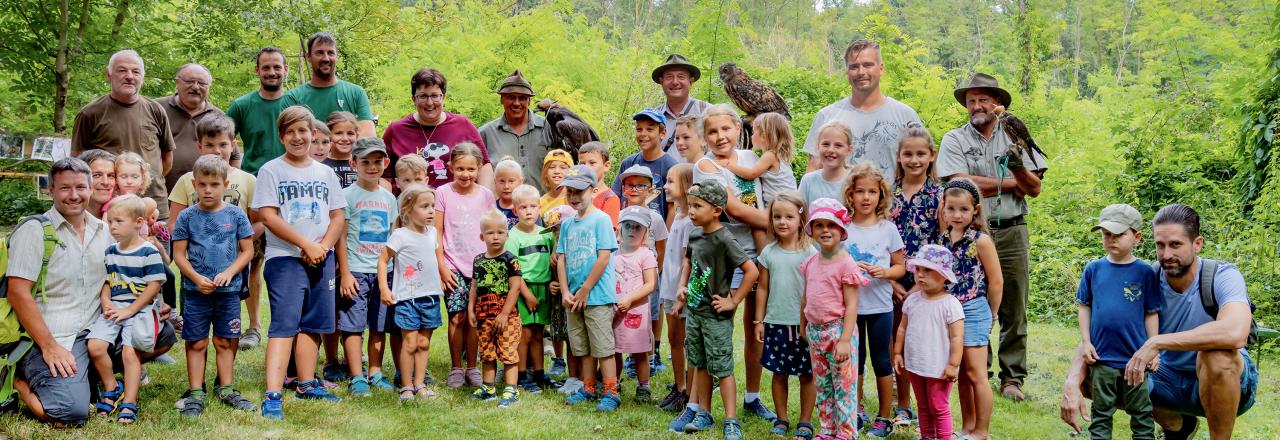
{"x":928,"y":346}
{"x":824,"y":283}
{"x":631,"y":330}
{"x":462,"y":224}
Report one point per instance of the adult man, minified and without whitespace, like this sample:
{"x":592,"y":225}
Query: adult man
{"x":185,"y":108}
{"x":1204,"y":369}
{"x":124,"y":120}
{"x":876,"y":120}
{"x":519,"y":132}
{"x":676,"y":76}
{"x":255,"y":113}
{"x":980,"y":151}
{"x":325,"y":93}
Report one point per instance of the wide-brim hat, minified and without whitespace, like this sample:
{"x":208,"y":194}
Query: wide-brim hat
{"x":673,"y":61}
{"x":515,"y":83}
{"x":987,"y":82}
{"x":937,"y":259}
{"x":830,"y":210}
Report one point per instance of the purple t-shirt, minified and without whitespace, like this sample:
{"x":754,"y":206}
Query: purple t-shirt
{"x":434,"y":143}
{"x":461,"y":215}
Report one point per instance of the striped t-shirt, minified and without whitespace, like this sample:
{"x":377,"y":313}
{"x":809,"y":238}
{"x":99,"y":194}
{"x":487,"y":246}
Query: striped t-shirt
{"x":128,"y":272}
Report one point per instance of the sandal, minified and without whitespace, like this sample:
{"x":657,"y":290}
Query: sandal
{"x":127,"y":418}
{"x":780,"y":428}
{"x":426,"y":393}
{"x":107,"y":400}
{"x":804,"y":431}
{"x":406,"y":394}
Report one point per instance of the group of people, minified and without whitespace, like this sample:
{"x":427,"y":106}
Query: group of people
{"x":889,"y":248}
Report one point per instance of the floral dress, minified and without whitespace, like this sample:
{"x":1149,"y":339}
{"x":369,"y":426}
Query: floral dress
{"x":916,"y":219}
{"x":971,"y":280}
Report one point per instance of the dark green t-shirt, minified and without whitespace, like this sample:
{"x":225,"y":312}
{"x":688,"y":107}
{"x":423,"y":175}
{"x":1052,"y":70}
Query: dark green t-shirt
{"x":343,"y":96}
{"x":712,"y":258}
{"x":255,"y":120}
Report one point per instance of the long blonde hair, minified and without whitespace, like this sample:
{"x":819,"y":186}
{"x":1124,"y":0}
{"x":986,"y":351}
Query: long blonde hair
{"x":131,"y":158}
{"x":776,"y":130}
{"x":868,"y":171}
{"x":408,"y":197}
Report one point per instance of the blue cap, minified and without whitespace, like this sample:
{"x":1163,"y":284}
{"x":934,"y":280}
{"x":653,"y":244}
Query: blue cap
{"x":651,"y":115}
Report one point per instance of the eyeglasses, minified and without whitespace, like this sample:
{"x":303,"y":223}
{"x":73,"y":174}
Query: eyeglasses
{"x":194,"y":82}
{"x":636,"y":187}
{"x":429,"y":97}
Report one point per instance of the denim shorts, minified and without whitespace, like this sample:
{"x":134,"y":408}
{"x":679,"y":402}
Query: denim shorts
{"x":1179,"y":391}
{"x":218,"y":310}
{"x":421,"y":313}
{"x":977,"y":322}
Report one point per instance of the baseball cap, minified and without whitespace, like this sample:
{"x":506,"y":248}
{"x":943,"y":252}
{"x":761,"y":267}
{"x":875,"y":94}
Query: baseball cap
{"x":558,"y":154}
{"x":651,"y":115}
{"x":711,"y":191}
{"x":936,"y":258}
{"x":1119,"y":218}
{"x":638,"y":214}
{"x":636,"y":170}
{"x":579,"y":177}
{"x":368,"y":145}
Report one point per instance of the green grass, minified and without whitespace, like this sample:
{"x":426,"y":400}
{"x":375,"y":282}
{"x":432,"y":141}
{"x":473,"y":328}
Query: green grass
{"x":455,"y":415}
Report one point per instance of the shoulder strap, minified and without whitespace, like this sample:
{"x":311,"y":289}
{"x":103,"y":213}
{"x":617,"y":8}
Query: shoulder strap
{"x":1208,"y":269}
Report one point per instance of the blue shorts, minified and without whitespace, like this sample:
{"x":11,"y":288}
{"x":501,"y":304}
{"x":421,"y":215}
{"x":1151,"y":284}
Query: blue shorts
{"x":421,"y":313}
{"x":354,"y":313}
{"x":301,"y":296}
{"x":977,"y":322}
{"x":1179,"y":391}
{"x":219,"y":310}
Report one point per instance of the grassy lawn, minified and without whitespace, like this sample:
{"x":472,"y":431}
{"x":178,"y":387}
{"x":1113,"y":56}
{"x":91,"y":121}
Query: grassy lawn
{"x":455,"y":415}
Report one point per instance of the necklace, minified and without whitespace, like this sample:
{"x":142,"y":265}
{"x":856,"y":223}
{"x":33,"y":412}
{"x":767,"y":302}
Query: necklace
{"x":424,"y":131}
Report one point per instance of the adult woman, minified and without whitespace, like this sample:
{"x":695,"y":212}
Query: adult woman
{"x":431,"y":132}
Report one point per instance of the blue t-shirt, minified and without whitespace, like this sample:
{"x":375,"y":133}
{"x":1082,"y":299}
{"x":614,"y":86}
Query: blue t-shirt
{"x":212,"y":239}
{"x":1121,"y":296}
{"x":1184,"y":311}
{"x":659,"y":168}
{"x":369,"y":215}
{"x":580,"y":240}
{"x":130,"y":271}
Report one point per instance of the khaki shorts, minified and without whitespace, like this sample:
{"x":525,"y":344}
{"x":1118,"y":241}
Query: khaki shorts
{"x":591,"y":331}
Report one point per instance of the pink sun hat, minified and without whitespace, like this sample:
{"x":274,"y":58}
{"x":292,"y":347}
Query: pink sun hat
{"x":935,"y":258}
{"x":830,"y":210}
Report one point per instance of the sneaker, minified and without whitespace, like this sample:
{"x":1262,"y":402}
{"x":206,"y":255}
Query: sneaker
{"x":335,"y":372}
{"x":176,"y":320}
{"x":315,"y":390}
{"x":165,"y":359}
{"x":904,"y":416}
{"x":510,"y":396}
{"x":881,"y":428}
{"x":863,"y":418}
{"x":732,"y":429}
{"x":677,"y":399}
{"x":531,"y":387}
{"x":643,"y":394}
{"x":380,"y":381}
{"x":250,"y":339}
{"x":549,"y":383}
{"x":484,"y":393}
{"x":677,"y":424}
{"x":629,"y":365}
{"x":655,"y":364}
{"x":558,"y":368}
{"x":756,"y":408}
{"x":609,"y":403}
{"x":232,"y":398}
{"x":427,"y":380}
{"x":456,"y":378}
{"x":578,"y":397}
{"x":702,"y":421}
{"x":548,"y":349}
{"x":273,"y":406}
{"x":329,"y":385}
{"x":473,"y":377}
{"x":192,"y":403}
{"x":359,"y":387}
{"x":571,"y":385}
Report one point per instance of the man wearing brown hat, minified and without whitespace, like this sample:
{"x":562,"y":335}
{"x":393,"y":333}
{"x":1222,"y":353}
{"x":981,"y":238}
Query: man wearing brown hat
{"x":519,"y":132}
{"x":676,"y":76}
{"x":980,"y":151}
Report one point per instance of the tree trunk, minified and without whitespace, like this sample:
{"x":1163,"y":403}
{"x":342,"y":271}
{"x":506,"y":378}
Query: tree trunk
{"x":1028,"y":47}
{"x":122,"y":10}
{"x":60,"y":72}
{"x":1075,"y":56}
{"x":1130,"y":8}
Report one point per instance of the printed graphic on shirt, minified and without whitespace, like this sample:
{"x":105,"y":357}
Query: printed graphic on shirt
{"x":1132,"y":291}
{"x":299,"y":200}
{"x":374,"y":226}
{"x":434,"y":153}
{"x":698,"y":278}
{"x":864,"y":257}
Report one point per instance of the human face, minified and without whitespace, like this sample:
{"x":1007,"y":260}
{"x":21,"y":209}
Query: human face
{"x":527,"y":211}
{"x":865,"y":196}
{"x":126,"y":76}
{"x":1120,"y":246}
{"x":221,"y":145}
{"x":863,"y":70}
{"x":344,"y":137}
{"x":209,"y":189}
{"x":323,"y":59}
{"x":958,"y":211}
{"x":833,"y":148}
{"x":271,"y":70}
{"x":1176,"y":249}
{"x":827,"y":233}
{"x":129,"y":179}
{"x":69,"y":190}
{"x":631,"y":235}
{"x":757,"y":138}
{"x":554,"y":172}
{"x":369,"y":168}
{"x":494,"y":234}
{"x":637,"y":190}
{"x":701,"y":212}
{"x":506,"y":181}
{"x":929,"y":280}
{"x":410,"y":179}
{"x":123,"y":228}
{"x":579,"y":199}
{"x":598,"y":164}
{"x":688,"y":143}
{"x":104,"y":180}
{"x":786,"y":219}
{"x":674,"y":192}
{"x":981,"y":105}
{"x":320,"y":145}
{"x":193,"y":88}
{"x":515,"y":106}
{"x":423,"y":212}
{"x":914,"y":156}
{"x":649,"y":134}
{"x":676,"y":83}
{"x":464,"y":169}
{"x":297,"y":139}
{"x":429,"y":102}
{"x":721,"y":134}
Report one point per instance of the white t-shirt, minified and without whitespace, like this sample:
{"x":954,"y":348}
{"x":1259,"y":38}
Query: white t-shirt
{"x":928,"y":346}
{"x":417,"y":273}
{"x":875,"y":132}
{"x":873,"y":245}
{"x":677,"y":241}
{"x":305,"y":196}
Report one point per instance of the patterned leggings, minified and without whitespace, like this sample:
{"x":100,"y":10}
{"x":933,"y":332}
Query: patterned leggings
{"x":834,"y":379}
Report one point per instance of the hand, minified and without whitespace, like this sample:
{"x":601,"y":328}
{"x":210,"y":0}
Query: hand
{"x":60,"y":361}
{"x":951,"y":373}
{"x":580,"y":300}
{"x":676,"y":307}
{"x":1090,"y":354}
{"x":681,"y":294}
{"x":1154,"y":365}
{"x":164,"y":310}
{"x":723,"y":303}
{"x":566,"y":301}
{"x":204,"y":285}
{"x":876,"y":272}
{"x":449,"y":280}
{"x":1072,"y":409}
{"x":760,"y":332}
{"x":1014,"y":158}
{"x":387,"y":299}
{"x":531,"y":302}
{"x":554,"y":286}
{"x":623,"y":305}
{"x":312,"y":253}
{"x":1135,"y":371}
{"x":348,"y":286}
{"x":502,"y":320}
{"x":842,"y":351}
{"x":122,"y":314}
{"x":471,"y":316}
{"x":899,"y":292}
{"x":899,"y":365}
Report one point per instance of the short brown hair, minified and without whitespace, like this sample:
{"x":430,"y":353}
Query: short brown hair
{"x":292,"y":115}
{"x":425,"y":78}
{"x":257,"y":59}
{"x":320,"y":37}
{"x":215,"y":125}
{"x":210,"y":165}
{"x":411,"y":164}
{"x":860,"y":45}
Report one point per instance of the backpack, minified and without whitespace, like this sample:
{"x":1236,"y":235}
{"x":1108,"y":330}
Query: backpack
{"x":14,"y":342}
{"x":1208,"y":270}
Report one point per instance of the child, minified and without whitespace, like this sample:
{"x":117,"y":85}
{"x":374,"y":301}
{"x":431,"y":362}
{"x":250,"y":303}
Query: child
{"x":558,"y":325}
{"x":459,"y":205}
{"x":979,"y":287}
{"x":588,"y":288}
{"x":134,"y":275}
{"x":771,"y":133}
{"x":638,"y":185}
{"x":369,"y":210}
{"x":830,"y":304}
{"x":507,"y":175}
{"x":417,"y":292}
{"x":596,"y":155}
{"x":532,"y":246}
{"x":705,"y":277}
{"x":554,"y":167}
{"x":342,"y":125}
{"x":491,"y":309}
{"x":637,"y":278}
{"x":916,"y":195}
{"x":875,"y":245}
{"x":300,"y":202}
{"x":835,"y":142}
{"x":411,"y":171}
{"x":777,"y":318}
{"x":1119,"y":297}
{"x":651,"y":130}
{"x":321,"y":142}
{"x":132,"y":174}
{"x":933,"y":321}
{"x":212,"y":245}
{"x":679,"y":179}
{"x":688,"y":140}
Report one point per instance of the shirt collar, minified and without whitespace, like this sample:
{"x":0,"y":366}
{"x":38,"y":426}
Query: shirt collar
{"x":535,"y":121}
{"x":688,"y":106}
{"x":91,"y":223}
{"x":172,"y":101}
{"x":973,"y":131}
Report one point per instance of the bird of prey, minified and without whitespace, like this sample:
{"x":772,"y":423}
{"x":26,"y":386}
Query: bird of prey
{"x":568,"y":130}
{"x":1017,"y":131}
{"x":751,"y":96}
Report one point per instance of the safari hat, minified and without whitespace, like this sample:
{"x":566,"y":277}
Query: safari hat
{"x":676,"y":60}
{"x":988,"y":82}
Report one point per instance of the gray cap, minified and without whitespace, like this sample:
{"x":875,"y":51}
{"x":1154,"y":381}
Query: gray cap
{"x":636,"y":170}
{"x":636,"y":213}
{"x":368,"y":145}
{"x":579,"y":177}
{"x":1119,"y":218}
